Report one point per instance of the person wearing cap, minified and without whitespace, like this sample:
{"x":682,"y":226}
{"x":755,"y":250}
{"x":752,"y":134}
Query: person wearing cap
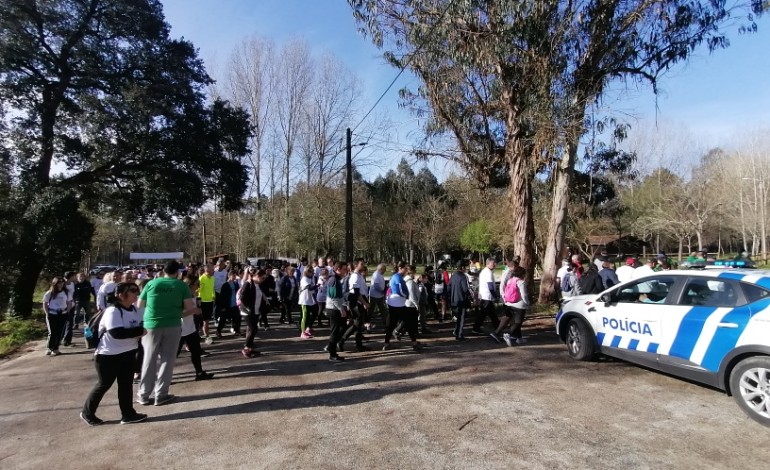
{"x":165,"y":301}
{"x":460,"y":298}
{"x":626,"y":272}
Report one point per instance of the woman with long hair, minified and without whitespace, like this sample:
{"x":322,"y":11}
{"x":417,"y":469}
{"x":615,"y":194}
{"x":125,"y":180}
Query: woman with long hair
{"x":119,"y":332}
{"x":252,"y":300}
{"x":307,"y":290}
{"x":55,"y":308}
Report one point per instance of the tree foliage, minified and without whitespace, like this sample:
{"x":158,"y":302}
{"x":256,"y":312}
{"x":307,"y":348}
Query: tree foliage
{"x":103,"y":107}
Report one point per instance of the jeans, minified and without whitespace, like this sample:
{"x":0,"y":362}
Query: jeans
{"x":55,"y":323}
{"x":377,"y":307}
{"x":68,"y":327}
{"x":85,"y":307}
{"x":251,"y":329}
{"x":110,"y":368}
{"x":161,"y":342}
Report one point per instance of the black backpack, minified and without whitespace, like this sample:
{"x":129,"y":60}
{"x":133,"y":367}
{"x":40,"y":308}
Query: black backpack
{"x":91,"y":330}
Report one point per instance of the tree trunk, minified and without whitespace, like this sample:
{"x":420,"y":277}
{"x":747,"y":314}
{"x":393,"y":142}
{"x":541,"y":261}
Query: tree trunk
{"x":30,"y":266}
{"x":558,"y":226}
{"x":520,"y":194}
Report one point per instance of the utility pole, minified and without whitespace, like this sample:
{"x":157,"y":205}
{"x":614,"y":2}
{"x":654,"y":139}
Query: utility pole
{"x":348,"y":198}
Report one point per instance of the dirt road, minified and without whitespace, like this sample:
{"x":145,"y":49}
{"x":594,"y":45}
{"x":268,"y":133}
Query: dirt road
{"x":456,"y":405}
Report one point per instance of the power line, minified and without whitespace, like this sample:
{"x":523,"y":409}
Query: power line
{"x":406,"y":64}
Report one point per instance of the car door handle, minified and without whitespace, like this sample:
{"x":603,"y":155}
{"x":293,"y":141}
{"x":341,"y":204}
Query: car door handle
{"x":727,"y":325}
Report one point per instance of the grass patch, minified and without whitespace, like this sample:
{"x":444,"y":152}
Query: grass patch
{"x":14,"y":333}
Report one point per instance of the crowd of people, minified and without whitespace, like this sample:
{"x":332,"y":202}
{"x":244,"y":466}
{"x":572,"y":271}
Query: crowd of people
{"x":143,"y":318}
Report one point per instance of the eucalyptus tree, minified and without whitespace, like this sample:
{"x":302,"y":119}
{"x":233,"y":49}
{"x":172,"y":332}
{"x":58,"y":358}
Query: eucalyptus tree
{"x":104,"y":112}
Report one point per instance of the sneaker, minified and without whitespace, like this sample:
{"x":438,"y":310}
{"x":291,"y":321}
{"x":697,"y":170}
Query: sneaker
{"x":336,"y":359}
{"x":386,"y":346}
{"x":507,"y":338}
{"x":397,"y":335}
{"x":494,"y":336}
{"x":209,"y":340}
{"x":49,"y":352}
{"x":90,"y":420}
{"x":203,"y":376}
{"x":143,"y":401}
{"x":326,"y":348}
{"x":55,"y":352}
{"x":246,"y":352}
{"x":476,"y":331}
{"x":308,"y":332}
{"x":521,"y":341}
{"x":160,"y":401}
{"x":304,"y":335}
{"x":137,"y":418}
{"x":232,"y":330}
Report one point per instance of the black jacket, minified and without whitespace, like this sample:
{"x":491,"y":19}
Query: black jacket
{"x":459,"y":290}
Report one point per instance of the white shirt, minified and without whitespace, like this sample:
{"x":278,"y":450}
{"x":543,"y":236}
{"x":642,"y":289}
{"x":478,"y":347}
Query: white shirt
{"x":59,"y":302}
{"x":70,"y":288}
{"x":485,"y":277}
{"x":305,"y":293}
{"x":625,"y":273}
{"x":101,"y":296}
{"x":561,"y":272}
{"x":378,"y":285}
{"x":96,"y":283}
{"x":357,"y":281}
{"x":112,"y":318}
{"x":188,"y":325}
{"x":642,"y":271}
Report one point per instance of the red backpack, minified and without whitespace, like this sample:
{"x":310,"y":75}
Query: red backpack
{"x":511,"y":295}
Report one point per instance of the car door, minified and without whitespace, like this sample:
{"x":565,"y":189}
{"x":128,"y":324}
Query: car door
{"x":629,"y":321}
{"x":704,"y":326}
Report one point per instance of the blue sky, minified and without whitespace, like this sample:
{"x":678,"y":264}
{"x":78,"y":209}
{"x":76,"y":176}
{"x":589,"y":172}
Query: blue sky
{"x":716,"y":96}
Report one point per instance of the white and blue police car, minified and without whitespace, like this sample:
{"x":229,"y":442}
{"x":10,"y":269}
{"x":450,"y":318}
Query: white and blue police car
{"x":711,"y":327}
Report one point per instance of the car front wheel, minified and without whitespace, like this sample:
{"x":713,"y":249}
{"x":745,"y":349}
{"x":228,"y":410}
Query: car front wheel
{"x":750,"y":386}
{"x":580,"y":344}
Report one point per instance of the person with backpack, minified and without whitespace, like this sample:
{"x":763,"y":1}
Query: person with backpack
{"x":513,"y":290}
{"x":487,"y":297}
{"x":119,"y":332}
{"x":356,"y":293}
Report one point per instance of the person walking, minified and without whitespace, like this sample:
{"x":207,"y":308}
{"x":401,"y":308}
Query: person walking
{"x":252,"y":301}
{"x":119,"y":332}
{"x":377,"y":305}
{"x":460,"y":298}
{"x":165,"y":300}
{"x":357,"y":305}
{"x":307,"y":303}
{"x":207,"y":294}
{"x":55,"y":308}
{"x":487,"y":297}
{"x":335,"y":309}
{"x":82,"y":298}
{"x":227,"y":305}
{"x":516,"y":300}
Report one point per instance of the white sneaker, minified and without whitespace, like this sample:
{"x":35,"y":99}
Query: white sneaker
{"x":209,"y":340}
{"x":507,"y":339}
{"x":232,"y":330}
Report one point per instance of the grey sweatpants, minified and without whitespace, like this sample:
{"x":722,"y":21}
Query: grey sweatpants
{"x":158,"y":343}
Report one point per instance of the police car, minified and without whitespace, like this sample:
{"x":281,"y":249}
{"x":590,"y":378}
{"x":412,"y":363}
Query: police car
{"x":707,"y":326}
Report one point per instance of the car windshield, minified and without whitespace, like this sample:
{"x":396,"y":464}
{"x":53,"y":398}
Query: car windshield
{"x":650,"y":290}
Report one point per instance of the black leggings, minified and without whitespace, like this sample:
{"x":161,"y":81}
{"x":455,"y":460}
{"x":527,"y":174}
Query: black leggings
{"x":193,"y":342}
{"x":359,"y":317}
{"x":517,"y":318}
{"x":233,"y":314}
{"x":401,"y":314}
{"x":110,"y":368}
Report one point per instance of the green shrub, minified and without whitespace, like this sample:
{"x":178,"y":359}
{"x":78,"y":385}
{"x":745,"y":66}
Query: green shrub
{"x":14,"y":333}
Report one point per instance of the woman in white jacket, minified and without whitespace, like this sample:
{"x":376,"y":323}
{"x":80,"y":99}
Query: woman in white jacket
{"x":411,"y":313}
{"x":514,"y":311}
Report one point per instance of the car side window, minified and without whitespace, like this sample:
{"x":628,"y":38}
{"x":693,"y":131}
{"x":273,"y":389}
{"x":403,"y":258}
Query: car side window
{"x":648,"y":291}
{"x":708,"y":292}
{"x":753,"y":293}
